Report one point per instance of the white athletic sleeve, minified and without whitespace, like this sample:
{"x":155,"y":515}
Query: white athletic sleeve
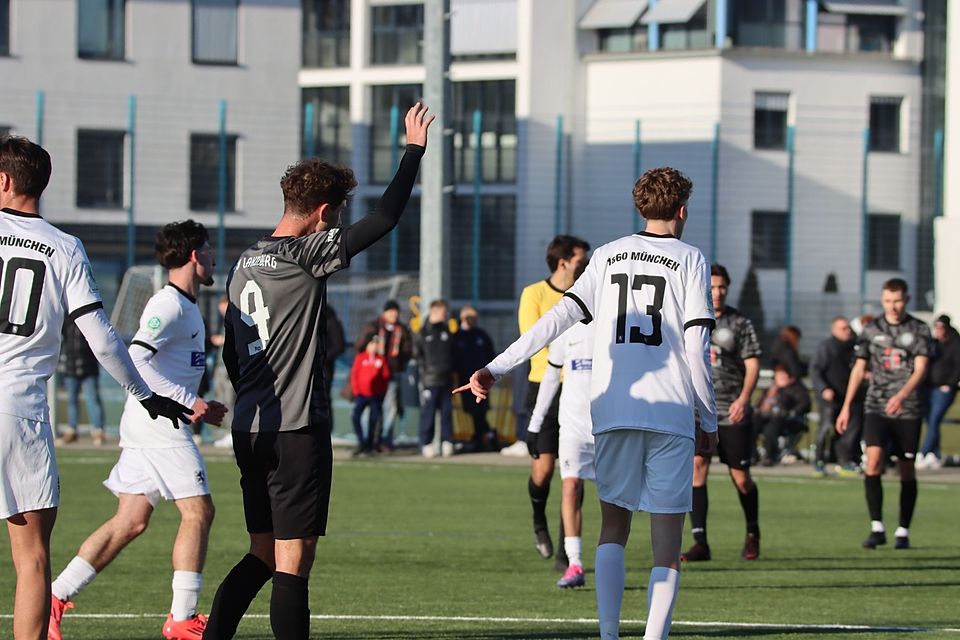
{"x":111,"y":353}
{"x":698,"y":300}
{"x":80,"y":292}
{"x":141,"y":357}
{"x":584,"y":290}
{"x":561,"y":317}
{"x":548,"y":389}
{"x":696,"y":342}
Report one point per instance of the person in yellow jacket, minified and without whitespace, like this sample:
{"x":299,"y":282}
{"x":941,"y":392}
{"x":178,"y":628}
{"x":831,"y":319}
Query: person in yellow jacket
{"x":566,"y":259}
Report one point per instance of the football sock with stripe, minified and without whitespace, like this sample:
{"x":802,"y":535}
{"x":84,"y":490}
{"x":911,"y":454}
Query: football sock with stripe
{"x":874,"y":491}
{"x":289,"y":607}
{"x":698,"y":518}
{"x":610,"y":576}
{"x":234,"y":596}
{"x":908,"y":500}
{"x":78,"y":574}
{"x":661,"y":596}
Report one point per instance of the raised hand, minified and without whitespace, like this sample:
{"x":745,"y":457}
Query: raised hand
{"x":417,"y":122}
{"x":158,"y":406}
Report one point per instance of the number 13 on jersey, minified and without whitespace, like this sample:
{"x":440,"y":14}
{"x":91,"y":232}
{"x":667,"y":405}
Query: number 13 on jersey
{"x":659,"y":284}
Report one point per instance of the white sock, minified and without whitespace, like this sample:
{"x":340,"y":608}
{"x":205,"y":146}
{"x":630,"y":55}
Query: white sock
{"x":661,"y":596}
{"x":78,"y":574}
{"x":610,"y":576}
{"x":902,"y":532}
{"x":574,"y":548}
{"x":186,"y":592}
{"x":876,"y":526}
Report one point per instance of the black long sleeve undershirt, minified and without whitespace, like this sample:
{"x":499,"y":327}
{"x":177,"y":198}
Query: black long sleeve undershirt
{"x":386,"y":214}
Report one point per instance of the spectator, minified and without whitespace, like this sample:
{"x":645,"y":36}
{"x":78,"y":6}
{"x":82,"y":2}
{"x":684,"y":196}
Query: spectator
{"x":396,"y":346}
{"x":222,"y":387}
{"x":80,"y":372}
{"x":942,"y":379}
{"x":829,"y":373}
{"x":336,"y":346}
{"x":433,"y":348}
{"x":369,"y":379}
{"x":472,"y":350}
{"x":786,"y":351}
{"x":782,"y":413}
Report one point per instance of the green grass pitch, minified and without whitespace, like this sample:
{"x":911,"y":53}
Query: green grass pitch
{"x":445,"y":550}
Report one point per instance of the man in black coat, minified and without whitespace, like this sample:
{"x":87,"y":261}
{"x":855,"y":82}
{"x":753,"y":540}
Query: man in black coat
{"x":943,"y":376}
{"x":472,"y":350}
{"x":829,"y":372}
{"x":79,"y":370}
{"x":433,"y":349}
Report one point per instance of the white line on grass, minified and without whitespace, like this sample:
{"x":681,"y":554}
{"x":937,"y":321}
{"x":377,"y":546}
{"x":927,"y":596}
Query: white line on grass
{"x":698,"y":623}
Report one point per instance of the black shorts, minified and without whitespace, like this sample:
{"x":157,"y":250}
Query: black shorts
{"x":736,"y":444}
{"x":285,"y":481}
{"x":549,"y":439}
{"x":901,"y":434}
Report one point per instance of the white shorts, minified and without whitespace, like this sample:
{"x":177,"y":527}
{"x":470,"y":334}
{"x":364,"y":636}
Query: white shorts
{"x":575,"y":456}
{"x":645,"y":470}
{"x":172,"y":474}
{"x":28,"y":466}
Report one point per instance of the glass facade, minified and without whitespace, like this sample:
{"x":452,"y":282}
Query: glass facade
{"x":496,"y":102}
{"x":385,"y":150}
{"x":100,"y":169}
{"x":205,"y":172}
{"x":100,"y":29}
{"x":215,"y":31}
{"x":497,"y":257}
{"x":397,"y":34}
{"x":332,"y":133}
{"x":326,"y":33}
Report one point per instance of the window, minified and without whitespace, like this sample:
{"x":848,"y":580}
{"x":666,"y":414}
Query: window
{"x":408,"y":240}
{"x":100,"y":26}
{"x":692,"y":34}
{"x":205,"y":172}
{"x":326,"y":33}
{"x":768,"y":240}
{"x":498,"y":226}
{"x":768,"y":23}
{"x":871,"y":33}
{"x":623,"y":40}
{"x":496,"y":101}
{"x":4,"y":27}
{"x":885,"y":124}
{"x":389,"y":102}
{"x":770,"y":120}
{"x":100,"y":169}
{"x":397,"y":34}
{"x":332,"y":135}
{"x":883,"y":242}
{"x":215,"y":31}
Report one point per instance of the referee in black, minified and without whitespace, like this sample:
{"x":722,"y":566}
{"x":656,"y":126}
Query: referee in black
{"x":274,"y":354}
{"x":895,"y":349}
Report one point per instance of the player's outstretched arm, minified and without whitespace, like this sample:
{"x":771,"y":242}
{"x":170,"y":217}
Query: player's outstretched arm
{"x":112,"y":354}
{"x":386,"y":214}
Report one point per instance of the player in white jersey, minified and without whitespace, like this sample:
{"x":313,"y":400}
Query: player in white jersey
{"x":573,"y":354}
{"x":155,"y":460}
{"x":647,"y":297}
{"x":45,"y":277}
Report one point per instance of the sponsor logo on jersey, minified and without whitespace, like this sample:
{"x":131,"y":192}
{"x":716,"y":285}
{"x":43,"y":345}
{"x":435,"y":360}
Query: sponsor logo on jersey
{"x":905,"y":339}
{"x":198,"y":476}
{"x":154,"y":323}
{"x":197,"y":359}
{"x":581,"y":364}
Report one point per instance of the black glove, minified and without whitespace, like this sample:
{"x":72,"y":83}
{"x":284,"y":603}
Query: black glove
{"x":532,"y":439}
{"x":158,"y":406}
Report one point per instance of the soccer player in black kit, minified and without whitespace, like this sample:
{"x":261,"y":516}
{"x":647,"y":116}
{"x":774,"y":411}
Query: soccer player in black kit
{"x":895,"y":347}
{"x":735,"y":363}
{"x":274,"y":353}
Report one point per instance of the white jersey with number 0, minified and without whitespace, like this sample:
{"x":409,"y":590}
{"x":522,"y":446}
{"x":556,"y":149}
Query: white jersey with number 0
{"x":171,"y":328}
{"x":45,"y":276}
{"x":640,"y":293}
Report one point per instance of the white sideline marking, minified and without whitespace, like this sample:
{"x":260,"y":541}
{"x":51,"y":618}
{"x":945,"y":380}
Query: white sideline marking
{"x":716,"y":623}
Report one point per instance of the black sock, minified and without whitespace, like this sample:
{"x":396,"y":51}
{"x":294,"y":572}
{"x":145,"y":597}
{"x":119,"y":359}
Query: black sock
{"x":289,"y":608}
{"x":538,"y":500}
{"x":698,"y":519}
{"x":874,"y":491}
{"x":750,"y":502}
{"x":234,"y":596}
{"x":908,"y":500}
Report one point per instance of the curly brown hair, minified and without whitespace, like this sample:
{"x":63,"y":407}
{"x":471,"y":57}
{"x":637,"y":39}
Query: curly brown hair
{"x":660,"y":192}
{"x":312,"y":182}
{"x":177,"y":241}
